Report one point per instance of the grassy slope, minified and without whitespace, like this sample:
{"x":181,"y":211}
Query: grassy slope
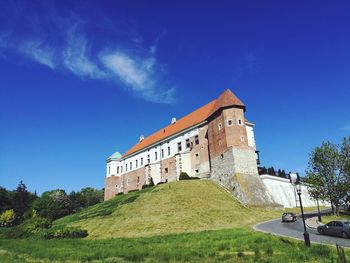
{"x":185,"y":206}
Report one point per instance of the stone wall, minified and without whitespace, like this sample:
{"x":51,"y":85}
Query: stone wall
{"x":236,"y":170}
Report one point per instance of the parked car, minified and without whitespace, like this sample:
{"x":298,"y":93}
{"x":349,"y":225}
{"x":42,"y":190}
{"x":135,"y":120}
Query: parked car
{"x":289,"y":217}
{"x":336,"y":228}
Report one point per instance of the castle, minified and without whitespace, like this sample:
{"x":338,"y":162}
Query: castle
{"x":214,"y":142}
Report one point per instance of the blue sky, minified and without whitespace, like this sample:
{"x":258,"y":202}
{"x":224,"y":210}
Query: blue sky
{"x":82,"y":79}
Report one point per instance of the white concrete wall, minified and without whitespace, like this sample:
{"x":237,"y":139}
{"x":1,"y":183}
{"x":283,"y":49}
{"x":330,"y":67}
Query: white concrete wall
{"x":283,"y":192}
{"x":250,"y":135}
{"x":171,"y":142}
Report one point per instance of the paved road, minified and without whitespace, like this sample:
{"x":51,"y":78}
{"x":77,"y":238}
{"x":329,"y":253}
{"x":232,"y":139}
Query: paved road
{"x":296,"y":230}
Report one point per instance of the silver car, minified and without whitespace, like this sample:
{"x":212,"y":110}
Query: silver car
{"x":289,"y":217}
{"x":336,"y":228}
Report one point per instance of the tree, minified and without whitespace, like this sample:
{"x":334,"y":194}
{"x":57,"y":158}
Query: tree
{"x":5,"y":199}
{"x":271,"y":171}
{"x":21,"y":199}
{"x":283,"y":174}
{"x":324,"y":175}
{"x":7,"y":218}
{"x":52,"y":204}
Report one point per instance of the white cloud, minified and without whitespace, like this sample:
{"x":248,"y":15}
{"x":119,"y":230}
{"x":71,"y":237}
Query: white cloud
{"x":37,"y":51}
{"x":72,"y":50}
{"x":141,"y":74}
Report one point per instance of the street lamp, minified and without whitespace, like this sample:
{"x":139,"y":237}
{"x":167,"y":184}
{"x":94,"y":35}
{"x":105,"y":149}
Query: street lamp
{"x":294,"y":179}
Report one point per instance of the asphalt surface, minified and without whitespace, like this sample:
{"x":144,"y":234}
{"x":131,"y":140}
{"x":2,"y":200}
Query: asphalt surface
{"x":296,"y":230}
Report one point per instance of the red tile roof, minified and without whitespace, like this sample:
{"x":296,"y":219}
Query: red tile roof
{"x":226,"y":99}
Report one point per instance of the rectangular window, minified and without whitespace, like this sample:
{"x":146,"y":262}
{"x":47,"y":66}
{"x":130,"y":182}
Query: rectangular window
{"x":188,"y":143}
{"x":121,"y":169}
{"x":240,"y":122}
{"x":155,"y":156}
{"x":220,"y":126}
{"x":168,"y":150}
{"x":117,"y":169}
{"x":136,"y":164}
{"x":141,"y":161}
{"x":126,"y":167}
{"x":229,"y":122}
{"x":138,"y":179}
{"x":148,"y":159}
{"x":196,"y":139}
{"x":162,"y":153}
{"x":109,"y":170}
{"x":179,"y":146}
{"x":166,"y":170}
{"x":130,"y":165}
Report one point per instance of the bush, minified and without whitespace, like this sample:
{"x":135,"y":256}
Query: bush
{"x":185,"y":176}
{"x":64,"y":232}
{"x":7,"y":218}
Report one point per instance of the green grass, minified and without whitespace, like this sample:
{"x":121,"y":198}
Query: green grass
{"x":229,"y":245}
{"x":178,"y":207}
{"x":186,"y":221}
{"x":326,"y":219}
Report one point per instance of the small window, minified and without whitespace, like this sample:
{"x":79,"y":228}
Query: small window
{"x":155,"y":156}
{"x":109,"y":170}
{"x":196,"y":139}
{"x":197,"y":171}
{"x":136,"y":164}
{"x":162,"y":153}
{"x":148,"y":159}
{"x":117,"y":169}
{"x":229,"y":122}
{"x":179,"y":146}
{"x":141,"y":161}
{"x":116,"y":186}
{"x":220,"y":126}
{"x":130,"y":165}
{"x":240,"y":122}
{"x":121,"y":169}
{"x":126,"y":167}
{"x":242,"y":138}
{"x":222,"y":156}
{"x":138,"y":179}
{"x":166,"y":170}
{"x":188,"y":145}
{"x":197,"y":155}
{"x":168,"y":150}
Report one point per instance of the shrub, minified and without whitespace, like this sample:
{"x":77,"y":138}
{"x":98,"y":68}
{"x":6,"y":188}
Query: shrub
{"x":7,"y":218}
{"x":64,"y":232}
{"x":185,"y":176}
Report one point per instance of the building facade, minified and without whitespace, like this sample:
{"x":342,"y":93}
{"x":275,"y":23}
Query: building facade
{"x":214,"y":142}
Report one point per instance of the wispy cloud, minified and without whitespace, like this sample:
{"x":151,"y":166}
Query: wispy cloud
{"x":134,"y":67}
{"x":346,"y":127}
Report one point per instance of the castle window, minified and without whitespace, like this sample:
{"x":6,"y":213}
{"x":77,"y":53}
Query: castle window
{"x":229,"y":122}
{"x":148,"y":159}
{"x":168,"y":150}
{"x":121,"y":169}
{"x":141,"y":161}
{"x":220,"y":126}
{"x":155,"y":156}
{"x":109,"y":170}
{"x":188,"y":145}
{"x":162,"y":153}
{"x":130,"y":165}
{"x":197,"y":155}
{"x":136,"y":164}
{"x":116,"y":186}
{"x":197,"y":171}
{"x":126,"y":167}
{"x":196,"y":139}
{"x":166,"y":170}
{"x":117,"y":169}
{"x":138,"y":179}
{"x":240,"y":122}
{"x":179,"y":146}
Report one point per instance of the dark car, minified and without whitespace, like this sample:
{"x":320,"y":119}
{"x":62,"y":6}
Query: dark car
{"x":289,"y":217}
{"x":336,"y":228}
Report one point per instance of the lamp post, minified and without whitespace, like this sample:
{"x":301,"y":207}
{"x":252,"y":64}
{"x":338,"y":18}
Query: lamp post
{"x":294,"y":179}
{"x":319,"y":213}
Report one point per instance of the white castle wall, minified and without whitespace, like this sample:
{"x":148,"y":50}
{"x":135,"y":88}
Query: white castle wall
{"x":283,"y":192}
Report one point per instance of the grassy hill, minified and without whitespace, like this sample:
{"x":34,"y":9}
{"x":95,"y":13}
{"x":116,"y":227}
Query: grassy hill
{"x":184,"y":206}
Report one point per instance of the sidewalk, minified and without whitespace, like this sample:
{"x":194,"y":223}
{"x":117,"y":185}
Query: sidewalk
{"x":313,"y":222}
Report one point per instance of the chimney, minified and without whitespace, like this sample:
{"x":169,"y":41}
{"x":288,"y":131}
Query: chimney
{"x":141,"y":138}
{"x":173,"y":120}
